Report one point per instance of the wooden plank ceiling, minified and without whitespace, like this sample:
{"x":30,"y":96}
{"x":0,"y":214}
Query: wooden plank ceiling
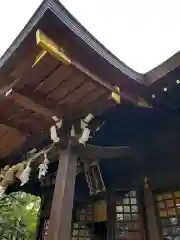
{"x":51,"y":88}
{"x":47,"y":89}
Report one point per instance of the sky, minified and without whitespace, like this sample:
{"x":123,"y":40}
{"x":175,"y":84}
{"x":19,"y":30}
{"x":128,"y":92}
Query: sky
{"x":141,"y":33}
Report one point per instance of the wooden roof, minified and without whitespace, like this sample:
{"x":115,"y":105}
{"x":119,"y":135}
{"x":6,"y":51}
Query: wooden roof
{"x":51,"y":88}
{"x":48,"y":89}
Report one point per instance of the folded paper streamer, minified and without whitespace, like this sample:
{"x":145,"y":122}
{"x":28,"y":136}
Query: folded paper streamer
{"x":43,"y":167}
{"x":54,"y":135}
{"x":85,"y":130}
{"x":24,"y":177}
{"x":85,"y":136}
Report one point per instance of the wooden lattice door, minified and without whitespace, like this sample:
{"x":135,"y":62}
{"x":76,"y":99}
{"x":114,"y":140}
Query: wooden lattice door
{"x":128,"y":220}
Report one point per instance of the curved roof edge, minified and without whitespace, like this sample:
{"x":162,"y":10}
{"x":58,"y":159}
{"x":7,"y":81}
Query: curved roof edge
{"x":64,"y":16}
{"x":62,"y":13}
{"x":22,"y":35}
{"x":153,"y":75}
{"x":163,"y":69}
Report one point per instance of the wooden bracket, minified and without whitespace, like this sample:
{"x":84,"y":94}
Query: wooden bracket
{"x":143,"y":104}
{"x":116,"y":95}
{"x":41,"y":54}
{"x":52,"y":48}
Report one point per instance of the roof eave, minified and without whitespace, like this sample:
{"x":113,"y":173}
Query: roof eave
{"x":64,"y":16}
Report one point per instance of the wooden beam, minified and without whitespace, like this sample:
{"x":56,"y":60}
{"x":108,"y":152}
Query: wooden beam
{"x":55,"y":50}
{"x":31,"y":142}
{"x":33,"y":102}
{"x":87,"y":151}
{"x":37,"y":103}
{"x":96,"y":152}
{"x":21,"y":69}
{"x":162,"y":70}
{"x":62,"y":205}
{"x":12,"y":124}
{"x":124,"y":96}
{"x":153,"y":233}
{"x":51,"y":107}
{"x":35,"y":140}
{"x":30,"y":104}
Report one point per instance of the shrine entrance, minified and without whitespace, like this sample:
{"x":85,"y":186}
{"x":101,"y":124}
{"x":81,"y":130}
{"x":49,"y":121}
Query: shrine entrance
{"x":90,"y":221}
{"x":69,"y":107}
{"x":100,"y":230}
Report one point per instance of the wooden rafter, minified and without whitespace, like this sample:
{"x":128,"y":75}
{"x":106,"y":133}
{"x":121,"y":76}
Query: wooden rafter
{"x":32,"y":141}
{"x":104,"y":84}
{"x":52,"y":48}
{"x":34,"y":103}
{"x":9,"y":122}
{"x":44,"y":106}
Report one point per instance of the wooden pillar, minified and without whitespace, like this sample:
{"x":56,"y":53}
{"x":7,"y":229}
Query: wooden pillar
{"x":152,"y":227}
{"x":61,"y":211}
{"x":110,"y":215}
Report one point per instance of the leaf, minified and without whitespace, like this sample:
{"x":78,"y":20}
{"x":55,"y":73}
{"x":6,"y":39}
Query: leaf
{"x":17,"y":220}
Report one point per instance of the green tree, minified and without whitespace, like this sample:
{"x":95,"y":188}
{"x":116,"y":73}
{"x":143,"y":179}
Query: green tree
{"x":18,"y":216}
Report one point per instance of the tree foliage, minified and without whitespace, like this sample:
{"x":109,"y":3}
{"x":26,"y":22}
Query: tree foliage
{"x":18,"y":216}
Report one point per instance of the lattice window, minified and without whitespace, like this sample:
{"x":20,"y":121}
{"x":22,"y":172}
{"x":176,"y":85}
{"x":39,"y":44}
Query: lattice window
{"x":168,"y":208}
{"x":84,"y":216}
{"x":128,"y":222}
{"x":80,"y":232}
